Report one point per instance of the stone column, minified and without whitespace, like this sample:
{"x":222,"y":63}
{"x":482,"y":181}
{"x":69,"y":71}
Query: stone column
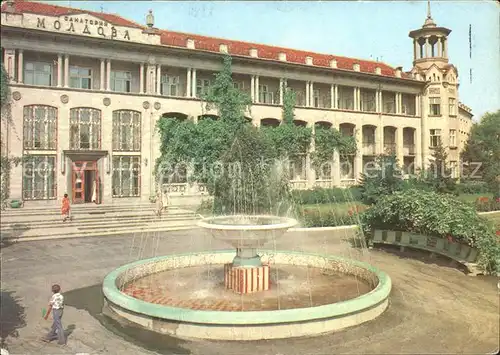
{"x":252,"y":87}
{"x":354,"y":98}
{"x":416,"y":52}
{"x":158,"y":79}
{"x":358,"y":159}
{"x":108,"y":74}
{"x":282,"y":91}
{"x":332,"y":96}
{"x":311,"y":94}
{"x":102,"y":75}
{"x":417,"y":105}
{"x":307,"y":94}
{"x":107,"y":145}
{"x":10,"y":64}
{"x":399,"y":103}
{"x":257,"y":93}
{"x":417,"y":139}
{"x":336,"y":101}
{"x":310,"y":172}
{"x":193,"y":82}
{"x":141,"y":78}
{"x":399,"y":145}
{"x":377,"y":100}
{"x":427,"y":47}
{"x":445,"y":47}
{"x":20,"y":66}
{"x":380,"y":139}
{"x":59,"y":70}
{"x":66,"y":71}
{"x":64,"y":181}
{"x":188,"y":82}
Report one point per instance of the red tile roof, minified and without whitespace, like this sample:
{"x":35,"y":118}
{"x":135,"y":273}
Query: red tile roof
{"x":212,"y":44}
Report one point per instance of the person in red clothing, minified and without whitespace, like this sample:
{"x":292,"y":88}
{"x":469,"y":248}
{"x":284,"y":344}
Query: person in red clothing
{"x":65,"y":208}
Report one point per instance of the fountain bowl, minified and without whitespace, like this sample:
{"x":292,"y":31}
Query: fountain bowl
{"x":247,"y":231}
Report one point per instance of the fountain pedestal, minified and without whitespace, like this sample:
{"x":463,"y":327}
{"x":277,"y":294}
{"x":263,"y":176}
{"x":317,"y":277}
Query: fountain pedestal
{"x":243,"y":280}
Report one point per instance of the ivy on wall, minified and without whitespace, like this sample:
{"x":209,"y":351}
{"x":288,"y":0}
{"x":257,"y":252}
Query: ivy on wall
{"x":205,"y":149}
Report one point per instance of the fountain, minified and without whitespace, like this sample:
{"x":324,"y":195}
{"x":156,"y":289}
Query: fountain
{"x":248,"y":293}
{"x":246,"y":233}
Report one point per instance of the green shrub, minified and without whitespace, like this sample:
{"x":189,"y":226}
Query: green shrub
{"x":473,"y":187}
{"x":324,"y":196}
{"x":433,"y":214}
{"x":384,"y":178}
{"x":316,"y":218}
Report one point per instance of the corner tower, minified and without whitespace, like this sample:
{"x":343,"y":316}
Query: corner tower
{"x":430,"y":43}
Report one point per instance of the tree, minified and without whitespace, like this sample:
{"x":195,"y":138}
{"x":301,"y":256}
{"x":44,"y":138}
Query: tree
{"x":439,"y":175}
{"x":483,"y":147}
{"x":231,"y":157}
{"x":383,"y":179}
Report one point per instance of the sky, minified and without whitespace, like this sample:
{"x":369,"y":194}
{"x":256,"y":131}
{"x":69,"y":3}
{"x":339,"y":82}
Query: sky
{"x":358,"y":29}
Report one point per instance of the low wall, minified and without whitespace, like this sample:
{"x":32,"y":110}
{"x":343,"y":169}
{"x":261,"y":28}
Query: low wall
{"x":459,"y":252}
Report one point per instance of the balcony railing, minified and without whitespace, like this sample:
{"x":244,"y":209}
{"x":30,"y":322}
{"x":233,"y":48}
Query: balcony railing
{"x":389,"y":148}
{"x":409,"y":149}
{"x":369,"y":148}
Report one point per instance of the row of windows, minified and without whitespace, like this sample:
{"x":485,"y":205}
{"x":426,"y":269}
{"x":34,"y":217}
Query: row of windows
{"x":435,"y":138}
{"x":435,"y":106}
{"x":37,"y":73}
{"x":40,"y":129}
{"x":39,"y":177}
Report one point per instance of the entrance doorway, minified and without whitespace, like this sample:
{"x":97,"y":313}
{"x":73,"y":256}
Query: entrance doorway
{"x":86,"y":185}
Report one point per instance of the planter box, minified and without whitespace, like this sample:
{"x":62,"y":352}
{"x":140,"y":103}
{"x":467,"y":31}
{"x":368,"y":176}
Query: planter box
{"x":459,"y":252}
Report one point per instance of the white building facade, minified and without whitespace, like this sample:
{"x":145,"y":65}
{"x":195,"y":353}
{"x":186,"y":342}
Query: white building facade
{"x":88,"y":88}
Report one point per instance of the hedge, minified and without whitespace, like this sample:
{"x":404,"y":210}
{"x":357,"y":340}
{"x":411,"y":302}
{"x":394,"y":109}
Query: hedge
{"x":325,"y":196}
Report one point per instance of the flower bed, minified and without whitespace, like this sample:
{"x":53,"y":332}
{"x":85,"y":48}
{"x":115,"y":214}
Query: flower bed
{"x":485,"y":204}
{"x":435,"y":215}
{"x":317,"y":218}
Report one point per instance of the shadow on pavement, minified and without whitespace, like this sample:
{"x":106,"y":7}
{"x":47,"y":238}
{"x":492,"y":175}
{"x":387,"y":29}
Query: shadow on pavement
{"x":13,"y":316}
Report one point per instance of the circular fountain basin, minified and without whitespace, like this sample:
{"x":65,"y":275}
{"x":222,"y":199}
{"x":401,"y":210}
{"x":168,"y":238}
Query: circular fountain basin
{"x":247,"y":325}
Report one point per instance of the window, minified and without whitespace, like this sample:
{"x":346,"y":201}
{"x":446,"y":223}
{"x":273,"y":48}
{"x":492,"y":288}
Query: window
{"x":40,"y":127}
{"x":80,"y":78}
{"x":435,"y":138}
{"x":435,"y":106}
{"x":121,"y":81}
{"x":126,"y":130}
{"x":126,"y":172}
{"x":85,"y":128}
{"x":38,"y":73}
{"x":39,"y":177}
{"x":298,"y":167}
{"x":202,"y":87}
{"x":170,"y":85}
{"x":388,"y":102}
{"x":452,"y":107}
{"x":367,"y":103}
{"x":240,"y":85}
{"x":316,"y":99}
{"x":453,"y":137}
{"x":265,"y":96}
{"x":345,"y":101}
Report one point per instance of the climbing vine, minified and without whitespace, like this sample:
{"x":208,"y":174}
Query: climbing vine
{"x":6,"y":162}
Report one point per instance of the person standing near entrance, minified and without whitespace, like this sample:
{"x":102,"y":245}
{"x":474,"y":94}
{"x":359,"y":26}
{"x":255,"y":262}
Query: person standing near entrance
{"x":56,"y":305}
{"x":65,"y":209}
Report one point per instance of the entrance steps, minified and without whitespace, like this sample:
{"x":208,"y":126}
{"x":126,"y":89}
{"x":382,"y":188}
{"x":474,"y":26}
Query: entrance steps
{"x":36,"y":223}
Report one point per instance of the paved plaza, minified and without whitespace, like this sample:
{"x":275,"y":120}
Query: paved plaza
{"x":433,"y":307}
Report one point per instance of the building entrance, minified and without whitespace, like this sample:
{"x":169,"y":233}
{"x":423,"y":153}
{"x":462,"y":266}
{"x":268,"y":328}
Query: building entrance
{"x":86,"y":185}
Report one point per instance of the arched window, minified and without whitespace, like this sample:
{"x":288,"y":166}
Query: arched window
{"x":40,"y":127}
{"x":85,"y":128}
{"x":126,"y":130}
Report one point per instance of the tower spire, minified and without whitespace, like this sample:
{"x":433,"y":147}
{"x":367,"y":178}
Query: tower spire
{"x":429,"y":22}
